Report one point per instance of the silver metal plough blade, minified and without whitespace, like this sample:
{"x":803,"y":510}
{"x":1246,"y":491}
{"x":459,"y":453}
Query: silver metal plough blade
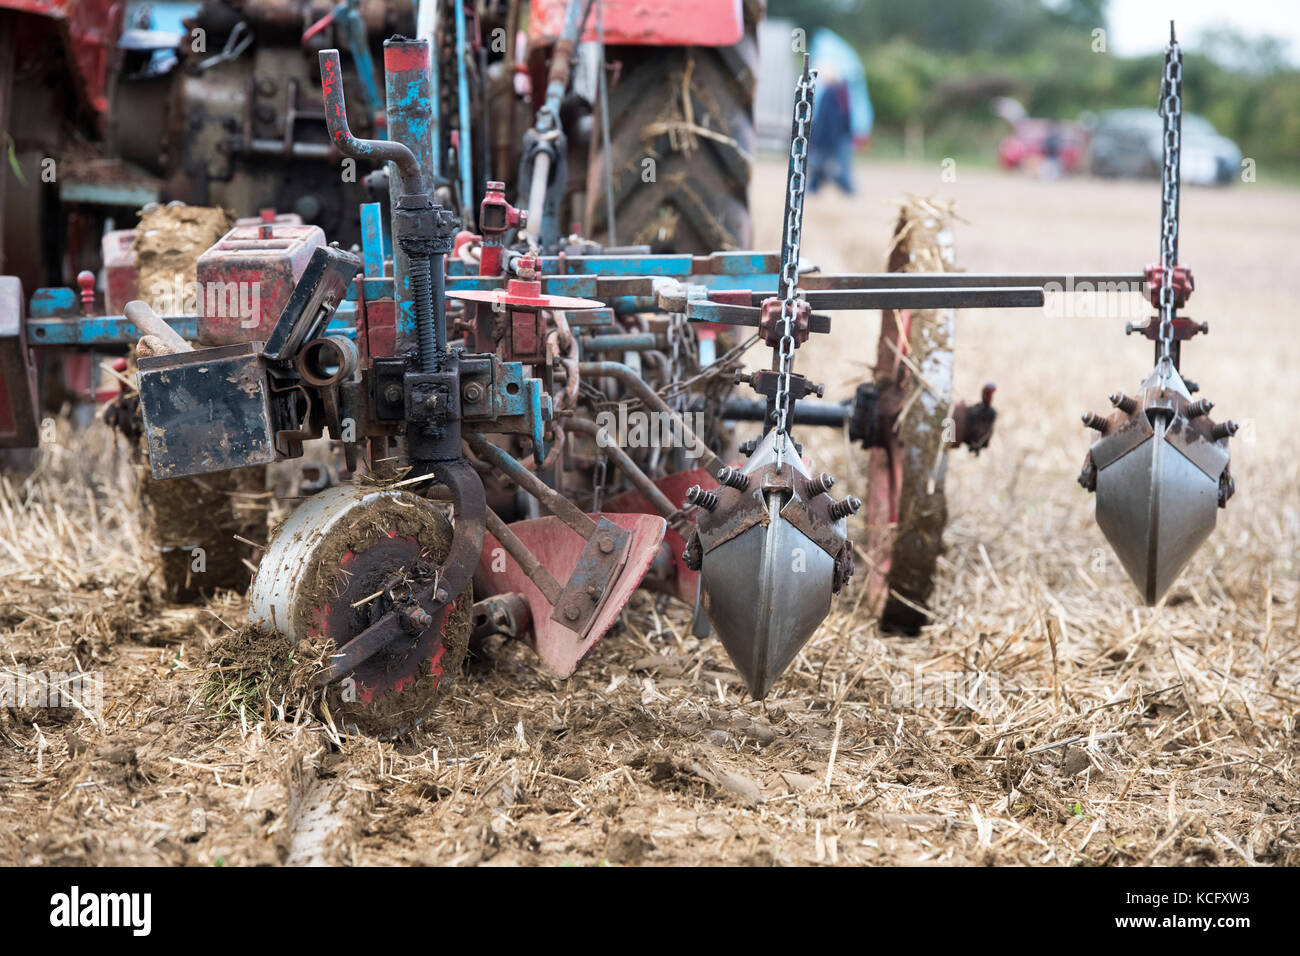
{"x":773,"y":551}
{"x":1161,"y":474}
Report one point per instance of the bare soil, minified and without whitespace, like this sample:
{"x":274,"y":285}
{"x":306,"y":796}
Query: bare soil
{"x":1043,"y":717}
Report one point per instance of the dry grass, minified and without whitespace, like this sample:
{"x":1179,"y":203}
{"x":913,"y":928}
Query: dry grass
{"x":1042,"y":718}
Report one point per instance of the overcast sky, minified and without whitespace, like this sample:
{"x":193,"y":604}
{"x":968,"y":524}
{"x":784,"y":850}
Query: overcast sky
{"x":1142,"y":26}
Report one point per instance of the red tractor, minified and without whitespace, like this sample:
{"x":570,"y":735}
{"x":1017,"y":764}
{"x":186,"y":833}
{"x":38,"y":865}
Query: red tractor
{"x":217,"y":106}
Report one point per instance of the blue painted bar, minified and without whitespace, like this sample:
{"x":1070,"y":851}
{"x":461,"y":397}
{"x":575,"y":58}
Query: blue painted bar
{"x":745,"y":263}
{"x":108,"y":194}
{"x":372,"y":240}
{"x":622,"y":265}
{"x":53,"y":302}
{"x":582,"y":287}
{"x":359,"y":47}
{"x":721,"y":270}
{"x":98,"y":331}
{"x":409,"y":118}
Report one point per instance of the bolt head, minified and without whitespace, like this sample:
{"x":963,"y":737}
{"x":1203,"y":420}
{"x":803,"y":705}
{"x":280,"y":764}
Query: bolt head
{"x":606,"y":544}
{"x":571,"y":612}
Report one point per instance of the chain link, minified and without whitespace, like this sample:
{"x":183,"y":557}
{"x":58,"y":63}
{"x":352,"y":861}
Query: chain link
{"x":790,"y":252}
{"x":678,"y":334}
{"x":1171,"y":108}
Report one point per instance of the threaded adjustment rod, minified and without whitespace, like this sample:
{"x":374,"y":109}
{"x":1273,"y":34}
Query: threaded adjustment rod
{"x":820,"y":485}
{"x":844,"y":508}
{"x":734,"y":478}
{"x":697,"y":496}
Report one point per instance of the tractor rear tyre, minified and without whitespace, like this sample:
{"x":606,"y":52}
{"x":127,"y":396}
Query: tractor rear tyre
{"x":682,"y":139}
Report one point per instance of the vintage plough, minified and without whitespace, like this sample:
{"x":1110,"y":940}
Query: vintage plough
{"x":477,"y":375}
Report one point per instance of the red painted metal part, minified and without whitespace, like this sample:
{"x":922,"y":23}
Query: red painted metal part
{"x":381,"y":328}
{"x":528,"y":324}
{"x":121,"y":275}
{"x":89,"y":30}
{"x":647,"y":23}
{"x":684,"y":582}
{"x":405,"y":58}
{"x":557,"y":547}
{"x":259,"y":265}
{"x":527,"y":294}
{"x":1180,"y":277}
{"x":496,"y":217}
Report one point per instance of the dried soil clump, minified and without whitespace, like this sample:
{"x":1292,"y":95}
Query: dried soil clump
{"x":169,"y":241}
{"x":194,"y":523}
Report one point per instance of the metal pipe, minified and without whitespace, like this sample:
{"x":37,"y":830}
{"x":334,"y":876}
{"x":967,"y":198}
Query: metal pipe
{"x":150,"y":323}
{"x":506,"y":614}
{"x":275,"y":147}
{"x":359,"y":47}
{"x":426,"y":28}
{"x":557,"y":79}
{"x":465,"y":150}
{"x":1066,"y":281}
{"x":551,"y":500}
{"x":336,"y":119}
{"x":604,"y":127}
{"x":639,"y":478}
{"x":537,"y":194}
{"x":638,"y":387}
{"x":406,"y":85}
{"x":628,"y":342}
{"x":825,"y":414}
{"x":548,"y":116}
{"x":943,"y":297}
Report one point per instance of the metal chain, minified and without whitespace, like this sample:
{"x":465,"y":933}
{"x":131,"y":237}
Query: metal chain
{"x":677,"y":330}
{"x":1171,"y":108}
{"x":804,"y":93}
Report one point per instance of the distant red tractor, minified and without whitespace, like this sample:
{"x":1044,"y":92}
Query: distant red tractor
{"x":1035,"y":141}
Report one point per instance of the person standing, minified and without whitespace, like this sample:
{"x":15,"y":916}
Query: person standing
{"x":831,"y":143}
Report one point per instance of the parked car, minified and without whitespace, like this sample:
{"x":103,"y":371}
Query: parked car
{"x":1130,"y":143}
{"x":1034,"y":140}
